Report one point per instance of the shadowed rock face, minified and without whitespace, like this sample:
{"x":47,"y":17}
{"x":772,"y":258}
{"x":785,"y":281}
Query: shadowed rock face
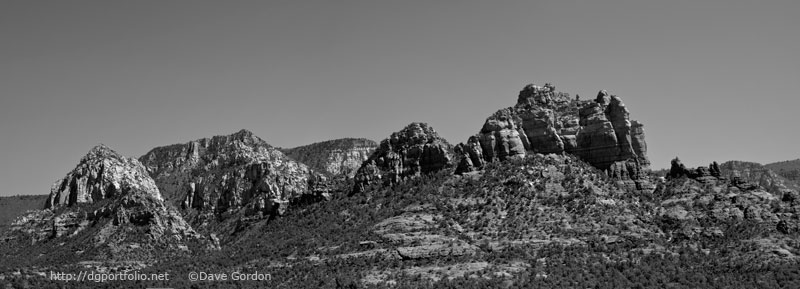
{"x":416,"y":149}
{"x":118,"y":200}
{"x":221,"y":175}
{"x":545,"y":121}
{"x":606,"y":135}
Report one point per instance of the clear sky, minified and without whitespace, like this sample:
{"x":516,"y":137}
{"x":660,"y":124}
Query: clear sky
{"x":711,"y":80}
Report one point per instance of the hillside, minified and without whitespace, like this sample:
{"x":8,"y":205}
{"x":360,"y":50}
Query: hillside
{"x":787,"y":169}
{"x":13,"y":206}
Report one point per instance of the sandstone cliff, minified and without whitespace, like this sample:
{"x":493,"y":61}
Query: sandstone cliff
{"x":416,"y":149}
{"x":545,"y":121}
{"x":341,"y":157}
{"x":212,"y":178}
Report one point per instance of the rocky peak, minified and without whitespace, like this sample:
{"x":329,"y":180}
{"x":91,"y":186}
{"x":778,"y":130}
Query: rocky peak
{"x":416,"y":149}
{"x":101,"y":174}
{"x":101,"y":151}
{"x":118,"y":200}
{"x":603,"y":98}
{"x":545,"y":96}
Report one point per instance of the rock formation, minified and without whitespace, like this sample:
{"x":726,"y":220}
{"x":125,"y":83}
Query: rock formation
{"x":545,"y":121}
{"x":116,"y":197}
{"x":227,"y":174}
{"x":341,"y":157}
{"x":416,"y":149}
{"x":101,"y":174}
{"x":703,"y":174}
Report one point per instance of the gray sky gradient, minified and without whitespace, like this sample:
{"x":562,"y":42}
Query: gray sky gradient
{"x":711,"y":80}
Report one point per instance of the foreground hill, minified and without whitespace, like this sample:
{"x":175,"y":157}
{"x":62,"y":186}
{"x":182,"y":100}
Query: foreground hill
{"x":340,"y":157}
{"x":13,"y":206}
{"x":543,"y":221}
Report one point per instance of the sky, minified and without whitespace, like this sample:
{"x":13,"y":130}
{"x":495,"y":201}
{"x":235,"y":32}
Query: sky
{"x":710,"y":80}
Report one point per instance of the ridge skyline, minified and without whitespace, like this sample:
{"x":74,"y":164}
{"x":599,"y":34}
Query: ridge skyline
{"x":709,"y":84}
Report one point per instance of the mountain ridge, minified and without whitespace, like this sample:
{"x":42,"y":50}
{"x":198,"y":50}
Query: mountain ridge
{"x":551,"y":191}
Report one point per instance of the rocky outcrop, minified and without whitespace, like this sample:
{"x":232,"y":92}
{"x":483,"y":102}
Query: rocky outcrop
{"x":416,"y":149}
{"x":545,"y":121}
{"x":341,"y":157}
{"x":223,"y":175}
{"x":703,"y":174}
{"x":114,"y":195}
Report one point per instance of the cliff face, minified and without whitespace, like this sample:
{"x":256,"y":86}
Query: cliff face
{"x":222,"y":175}
{"x":114,"y":200}
{"x":416,"y":149}
{"x":544,"y":121}
{"x":341,"y":157}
